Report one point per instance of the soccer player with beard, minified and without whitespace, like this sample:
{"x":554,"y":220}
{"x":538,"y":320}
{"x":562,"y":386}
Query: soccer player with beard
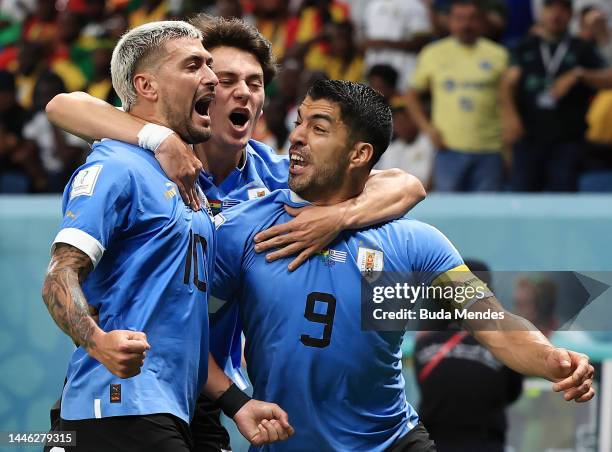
{"x":237,"y":168}
{"x":342,"y":385}
{"x":130,"y":249}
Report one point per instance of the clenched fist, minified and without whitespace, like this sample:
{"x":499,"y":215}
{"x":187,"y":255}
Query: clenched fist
{"x":122,"y":352}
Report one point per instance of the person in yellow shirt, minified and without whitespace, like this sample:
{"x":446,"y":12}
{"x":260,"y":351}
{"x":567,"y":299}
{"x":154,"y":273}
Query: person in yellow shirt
{"x":463,"y":74}
{"x":343,"y":61}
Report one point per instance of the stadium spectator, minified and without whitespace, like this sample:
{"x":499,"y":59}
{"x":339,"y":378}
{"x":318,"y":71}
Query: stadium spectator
{"x":66,"y":58}
{"x":394,"y":31}
{"x":597,"y":166}
{"x":41,"y":25}
{"x":342,"y":61}
{"x":60,"y":152}
{"x":274,"y":22}
{"x":383,"y":78}
{"x":544,"y":100}
{"x":410,"y":150}
{"x":29,"y":65}
{"x":462,"y":73}
{"x":20,"y":168}
{"x":314,"y":23}
{"x":464,"y":389}
{"x":594,"y":28}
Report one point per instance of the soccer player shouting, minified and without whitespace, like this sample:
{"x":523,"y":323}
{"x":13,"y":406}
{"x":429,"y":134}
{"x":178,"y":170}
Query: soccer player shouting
{"x":305,"y":349}
{"x":129,"y":248}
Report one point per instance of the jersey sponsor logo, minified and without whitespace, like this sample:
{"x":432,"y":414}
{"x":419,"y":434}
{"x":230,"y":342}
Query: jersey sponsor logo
{"x":486,"y":65}
{"x":219,"y":219}
{"x":84,"y":182}
{"x":330,"y":256}
{"x":370,"y":260}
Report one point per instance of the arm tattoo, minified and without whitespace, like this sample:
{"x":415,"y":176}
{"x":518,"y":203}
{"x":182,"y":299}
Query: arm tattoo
{"x":63,"y":295}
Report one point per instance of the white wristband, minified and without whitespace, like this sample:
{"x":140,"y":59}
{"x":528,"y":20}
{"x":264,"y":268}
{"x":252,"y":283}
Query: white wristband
{"x":151,"y":136}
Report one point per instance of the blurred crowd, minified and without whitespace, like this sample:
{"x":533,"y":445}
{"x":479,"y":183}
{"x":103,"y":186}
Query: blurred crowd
{"x":488,"y":95}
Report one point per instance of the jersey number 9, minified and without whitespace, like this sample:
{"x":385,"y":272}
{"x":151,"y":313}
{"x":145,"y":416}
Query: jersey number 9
{"x":326,"y":319}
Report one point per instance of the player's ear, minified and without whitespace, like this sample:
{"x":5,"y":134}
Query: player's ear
{"x":361,"y":154}
{"x":146,"y":86}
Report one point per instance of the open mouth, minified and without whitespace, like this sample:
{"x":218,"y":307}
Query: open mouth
{"x":239,"y":117}
{"x":202,"y":105}
{"x":297,"y":161}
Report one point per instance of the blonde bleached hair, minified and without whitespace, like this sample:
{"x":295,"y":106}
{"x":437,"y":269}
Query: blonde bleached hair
{"x":139,"y":44}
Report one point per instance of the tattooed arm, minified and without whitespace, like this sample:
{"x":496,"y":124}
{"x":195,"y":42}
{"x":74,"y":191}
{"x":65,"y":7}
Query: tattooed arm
{"x":121,"y":352}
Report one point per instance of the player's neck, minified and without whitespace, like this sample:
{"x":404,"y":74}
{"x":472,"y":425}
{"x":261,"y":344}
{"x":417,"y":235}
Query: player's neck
{"x":218,"y":161}
{"x":329,"y":196}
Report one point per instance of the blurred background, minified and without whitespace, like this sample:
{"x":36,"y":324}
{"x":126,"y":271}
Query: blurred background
{"x":509,"y":126}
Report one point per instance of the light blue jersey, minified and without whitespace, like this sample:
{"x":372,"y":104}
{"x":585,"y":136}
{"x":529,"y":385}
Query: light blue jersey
{"x":262,"y":171}
{"x":342,"y":387}
{"x":153,"y":259}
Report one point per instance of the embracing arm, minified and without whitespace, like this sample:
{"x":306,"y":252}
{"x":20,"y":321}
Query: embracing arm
{"x":387,"y":195}
{"x":121,"y":352}
{"x":519,"y":345}
{"x":93,"y":119}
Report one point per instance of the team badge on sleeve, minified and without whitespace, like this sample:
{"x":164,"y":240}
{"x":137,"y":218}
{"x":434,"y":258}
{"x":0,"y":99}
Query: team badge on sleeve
{"x":84,"y":182}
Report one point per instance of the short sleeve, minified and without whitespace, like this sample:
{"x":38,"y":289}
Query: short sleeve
{"x":430,"y":251}
{"x":421,"y":77}
{"x":97,"y":203}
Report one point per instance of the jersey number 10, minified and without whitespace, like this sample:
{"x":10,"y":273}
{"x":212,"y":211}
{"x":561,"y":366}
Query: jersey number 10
{"x":192,"y":256}
{"x":326,"y":319}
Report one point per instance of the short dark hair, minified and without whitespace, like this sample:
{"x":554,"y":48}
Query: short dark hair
{"x":233,"y":32}
{"x":362,"y":109}
{"x":475,"y":3}
{"x":385,"y":72}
